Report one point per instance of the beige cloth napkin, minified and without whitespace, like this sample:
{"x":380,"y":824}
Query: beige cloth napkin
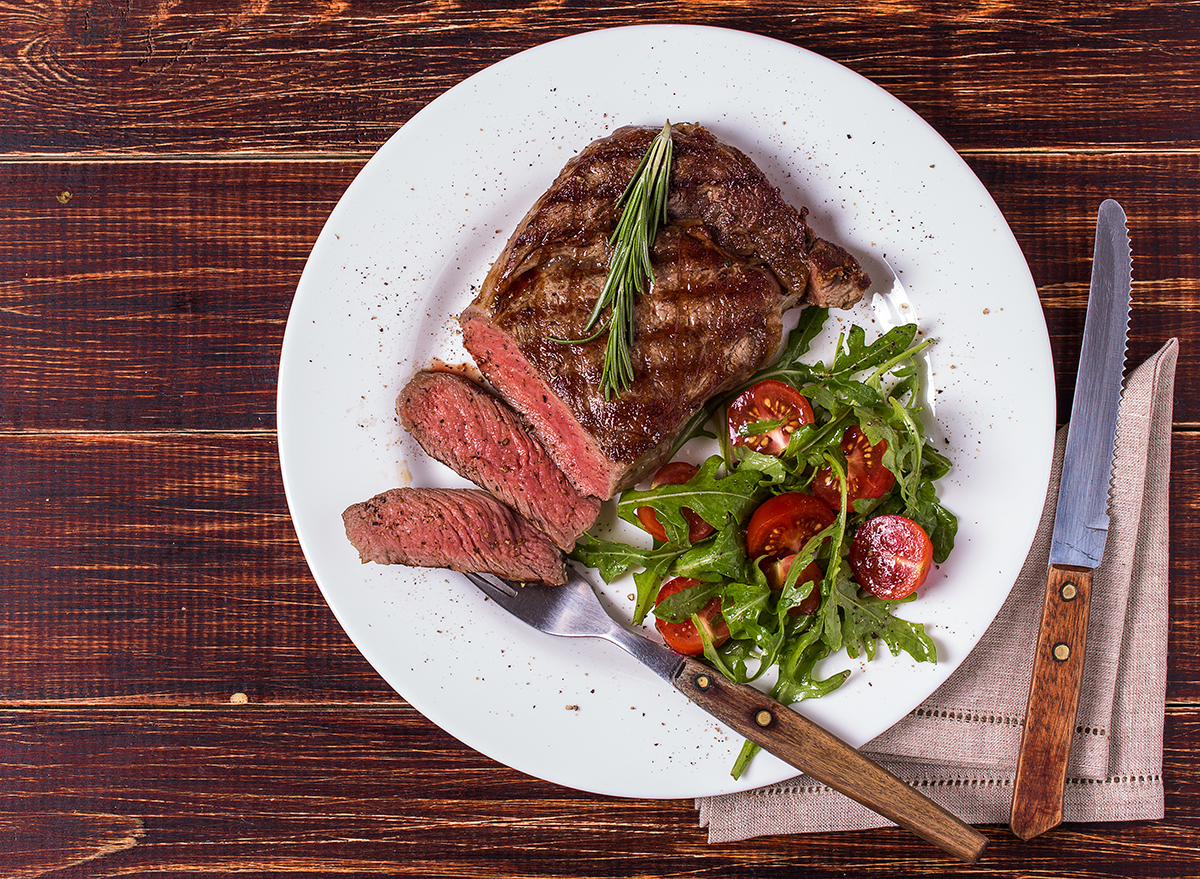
{"x":960,"y":746}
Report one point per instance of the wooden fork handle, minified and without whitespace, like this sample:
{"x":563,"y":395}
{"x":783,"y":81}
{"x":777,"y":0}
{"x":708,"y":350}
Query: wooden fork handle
{"x":811,"y":749}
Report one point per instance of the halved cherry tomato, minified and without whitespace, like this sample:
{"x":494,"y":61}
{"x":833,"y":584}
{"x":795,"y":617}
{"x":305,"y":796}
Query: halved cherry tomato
{"x":891,"y":556}
{"x":783,"y":524}
{"x":675,"y":473}
{"x":866,"y":477}
{"x":778,"y":529}
{"x":768,"y":400}
{"x":684,"y":637}
{"x":777,"y":573}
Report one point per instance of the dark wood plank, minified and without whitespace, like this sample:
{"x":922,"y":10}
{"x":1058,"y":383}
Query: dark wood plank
{"x":217,"y":791}
{"x":1050,"y":202}
{"x":36,"y":843}
{"x":163,"y":569}
{"x":166,"y":167}
{"x":140,"y":304}
{"x":187,"y":77}
{"x":146,"y":295}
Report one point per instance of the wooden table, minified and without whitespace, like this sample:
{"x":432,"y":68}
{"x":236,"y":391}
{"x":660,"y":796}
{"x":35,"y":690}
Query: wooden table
{"x":177,"y":697}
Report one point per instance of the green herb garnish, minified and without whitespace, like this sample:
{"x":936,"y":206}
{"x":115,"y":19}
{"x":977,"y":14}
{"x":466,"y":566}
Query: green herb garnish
{"x":643,"y":210}
{"x":875,"y":385}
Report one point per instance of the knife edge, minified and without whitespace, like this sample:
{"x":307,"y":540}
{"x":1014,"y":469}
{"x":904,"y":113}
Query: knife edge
{"x":1081,"y":516}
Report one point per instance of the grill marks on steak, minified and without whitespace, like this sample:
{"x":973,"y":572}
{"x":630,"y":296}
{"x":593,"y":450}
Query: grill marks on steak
{"x":711,"y":182}
{"x":733,"y":257}
{"x":709,"y":322}
{"x":460,"y":529}
{"x":482,"y":439}
{"x":719,"y":185}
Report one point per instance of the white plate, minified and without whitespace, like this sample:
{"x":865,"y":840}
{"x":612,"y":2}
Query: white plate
{"x":406,"y":249}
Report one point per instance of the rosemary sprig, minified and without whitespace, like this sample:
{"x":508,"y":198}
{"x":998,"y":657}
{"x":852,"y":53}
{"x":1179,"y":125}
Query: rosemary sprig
{"x":644,"y":210}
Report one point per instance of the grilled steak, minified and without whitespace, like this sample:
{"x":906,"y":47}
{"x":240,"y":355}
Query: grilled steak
{"x":479,"y":437}
{"x":463,"y":529}
{"x":732,"y":258}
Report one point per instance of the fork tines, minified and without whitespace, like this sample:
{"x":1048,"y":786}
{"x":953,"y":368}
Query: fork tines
{"x":495,"y":588}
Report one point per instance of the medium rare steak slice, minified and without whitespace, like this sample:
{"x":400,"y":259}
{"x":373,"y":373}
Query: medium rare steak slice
{"x":463,"y":529}
{"x":482,"y":439}
{"x":709,"y":322}
{"x":731,"y":259}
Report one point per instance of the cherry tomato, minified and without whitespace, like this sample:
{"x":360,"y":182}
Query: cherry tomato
{"x":683,"y":637}
{"x":783,"y":524}
{"x":777,"y":573}
{"x":866,"y":477}
{"x":768,"y":400}
{"x":778,"y":529}
{"x":675,"y":473}
{"x":891,"y":556}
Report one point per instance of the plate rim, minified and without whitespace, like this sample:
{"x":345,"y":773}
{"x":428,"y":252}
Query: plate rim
{"x":692,"y":31}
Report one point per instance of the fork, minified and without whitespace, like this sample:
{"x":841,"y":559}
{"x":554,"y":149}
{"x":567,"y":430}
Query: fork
{"x":574,"y":610}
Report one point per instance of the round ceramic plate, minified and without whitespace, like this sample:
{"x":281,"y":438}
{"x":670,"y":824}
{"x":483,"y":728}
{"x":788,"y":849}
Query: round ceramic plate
{"x":407,"y":248}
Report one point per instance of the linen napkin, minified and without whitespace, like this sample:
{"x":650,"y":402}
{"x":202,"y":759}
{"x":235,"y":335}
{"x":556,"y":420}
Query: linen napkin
{"x":960,"y":746}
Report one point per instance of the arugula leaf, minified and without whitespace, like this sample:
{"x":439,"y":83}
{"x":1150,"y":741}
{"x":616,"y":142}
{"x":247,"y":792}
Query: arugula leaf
{"x":770,"y":468}
{"x":875,"y":385}
{"x":718,"y":500}
{"x":874,"y":619}
{"x":678,"y":607}
{"x":724,"y":554}
{"x":612,"y":559}
{"x":648,"y":583}
{"x":743,"y":604}
{"x":799,"y":340}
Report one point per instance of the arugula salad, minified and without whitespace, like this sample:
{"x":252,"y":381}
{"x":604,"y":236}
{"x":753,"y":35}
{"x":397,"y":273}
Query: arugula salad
{"x":818,"y":515}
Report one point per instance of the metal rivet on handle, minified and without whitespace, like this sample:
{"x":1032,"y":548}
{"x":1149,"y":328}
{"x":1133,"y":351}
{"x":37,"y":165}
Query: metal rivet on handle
{"x":1062,"y":652}
{"x":1069,"y":591}
{"x":763,"y":718}
{"x":703,"y":682}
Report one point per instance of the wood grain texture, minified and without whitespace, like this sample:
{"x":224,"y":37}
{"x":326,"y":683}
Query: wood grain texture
{"x":162,"y":285}
{"x":162,"y":568}
{"x":166,"y":167}
{"x":813,"y":750}
{"x":141,"y":303}
{"x":184,"y":76}
{"x":1037,"y":802}
{"x":37,"y":843}
{"x":367,"y":790}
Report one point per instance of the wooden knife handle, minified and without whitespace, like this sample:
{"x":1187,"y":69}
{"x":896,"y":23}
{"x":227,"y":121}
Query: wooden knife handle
{"x":1037,"y":804}
{"x":808,"y":747}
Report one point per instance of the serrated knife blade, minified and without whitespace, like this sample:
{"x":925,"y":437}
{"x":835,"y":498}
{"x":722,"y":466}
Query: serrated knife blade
{"x":1080,"y":532}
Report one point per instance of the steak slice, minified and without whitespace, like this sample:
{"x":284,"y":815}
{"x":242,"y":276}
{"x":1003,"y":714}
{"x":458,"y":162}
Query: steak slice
{"x":732,"y":258}
{"x":463,"y":529}
{"x":482,"y":439}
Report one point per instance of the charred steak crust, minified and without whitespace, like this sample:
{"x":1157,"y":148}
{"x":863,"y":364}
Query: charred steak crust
{"x":711,"y":182}
{"x":481,"y":438}
{"x":709,"y":322}
{"x":733,"y":257}
{"x":462,"y":529}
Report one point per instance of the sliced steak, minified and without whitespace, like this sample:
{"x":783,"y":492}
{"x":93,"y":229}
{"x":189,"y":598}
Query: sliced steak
{"x":482,"y":439}
{"x":463,"y":529}
{"x":733,"y":257}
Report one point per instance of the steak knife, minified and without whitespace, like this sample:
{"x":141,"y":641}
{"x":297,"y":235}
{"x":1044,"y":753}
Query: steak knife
{"x":1080,"y":532}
